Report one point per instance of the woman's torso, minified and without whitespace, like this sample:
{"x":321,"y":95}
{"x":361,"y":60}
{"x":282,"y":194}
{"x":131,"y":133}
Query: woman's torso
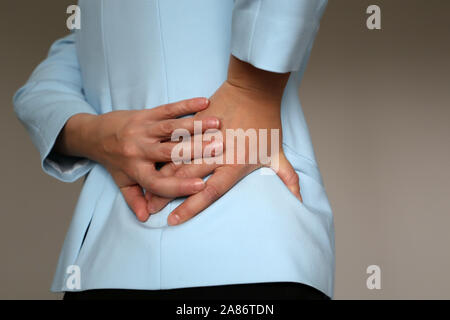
{"x":141,"y":54}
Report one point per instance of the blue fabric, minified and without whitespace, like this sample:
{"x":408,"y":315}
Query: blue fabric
{"x":144,"y":53}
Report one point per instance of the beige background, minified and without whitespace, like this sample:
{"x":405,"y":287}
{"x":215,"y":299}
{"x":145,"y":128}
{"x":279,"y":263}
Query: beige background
{"x":377,"y":104}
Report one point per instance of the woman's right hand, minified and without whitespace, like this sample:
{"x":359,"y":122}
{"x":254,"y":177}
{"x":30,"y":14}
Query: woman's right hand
{"x":129,"y":143}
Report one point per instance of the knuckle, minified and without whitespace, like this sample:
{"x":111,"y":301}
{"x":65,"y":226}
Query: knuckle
{"x":171,"y":111}
{"x":211,"y":192}
{"x":166,"y":127}
{"x":172,"y":167}
{"x":129,"y":130}
{"x":292,"y":178}
{"x":136,"y":117}
{"x":190,"y":124}
{"x":128,"y":150}
{"x":169,"y":169}
{"x":166,"y":152}
{"x":149,"y":184}
{"x":181,"y":173}
{"x":184,"y":106}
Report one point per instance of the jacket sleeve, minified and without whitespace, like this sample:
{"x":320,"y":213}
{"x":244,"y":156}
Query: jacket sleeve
{"x":275,"y":35}
{"x":51,"y":96}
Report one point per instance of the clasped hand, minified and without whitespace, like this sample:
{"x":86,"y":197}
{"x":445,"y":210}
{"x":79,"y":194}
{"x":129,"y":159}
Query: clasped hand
{"x":237,"y":108}
{"x":131,"y":143}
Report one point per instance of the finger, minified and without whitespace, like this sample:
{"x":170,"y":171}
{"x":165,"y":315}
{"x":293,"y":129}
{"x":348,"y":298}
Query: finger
{"x":157,"y":203}
{"x":136,"y":200}
{"x":288,"y":175}
{"x":182,"y":151}
{"x":223,"y":179}
{"x":173,"y":187}
{"x":196,"y":170}
{"x":166,"y":129}
{"x":178,"y":109}
{"x":169,"y":169}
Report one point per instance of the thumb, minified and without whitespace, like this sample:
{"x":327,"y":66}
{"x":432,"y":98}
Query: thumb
{"x":288,"y":175}
{"x":134,"y":197}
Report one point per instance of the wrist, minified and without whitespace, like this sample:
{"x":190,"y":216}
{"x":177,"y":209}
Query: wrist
{"x":256,"y":81}
{"x":78,"y":138}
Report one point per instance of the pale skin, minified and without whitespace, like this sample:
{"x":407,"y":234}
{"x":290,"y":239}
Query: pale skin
{"x":129,"y":143}
{"x":249,"y":98}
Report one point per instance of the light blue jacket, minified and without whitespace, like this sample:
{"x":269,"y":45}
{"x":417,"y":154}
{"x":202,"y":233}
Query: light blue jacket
{"x":144,"y":53}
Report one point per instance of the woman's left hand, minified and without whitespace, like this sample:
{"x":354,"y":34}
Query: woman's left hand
{"x":237,"y":108}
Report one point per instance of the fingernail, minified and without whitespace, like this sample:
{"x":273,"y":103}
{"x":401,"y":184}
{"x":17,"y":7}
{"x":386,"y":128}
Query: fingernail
{"x":199,"y":185}
{"x":212,"y":123}
{"x":173,"y":219}
{"x":199,"y":102}
{"x":204,"y":102}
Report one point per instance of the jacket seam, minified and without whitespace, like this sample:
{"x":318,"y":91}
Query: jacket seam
{"x":166,"y":82}
{"x":163,"y":54}
{"x":250,"y":47}
{"x":105,"y":49}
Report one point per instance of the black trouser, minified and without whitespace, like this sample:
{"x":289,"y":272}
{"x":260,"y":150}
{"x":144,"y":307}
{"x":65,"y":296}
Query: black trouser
{"x":257,"y":291}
